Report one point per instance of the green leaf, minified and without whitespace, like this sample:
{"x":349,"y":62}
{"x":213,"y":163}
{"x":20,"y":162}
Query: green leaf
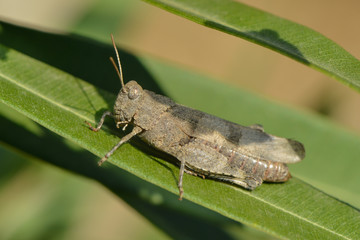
{"x":154,"y":203}
{"x":286,"y":37}
{"x":61,"y":103}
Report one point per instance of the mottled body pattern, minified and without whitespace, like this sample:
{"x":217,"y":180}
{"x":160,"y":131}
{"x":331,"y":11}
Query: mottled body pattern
{"x":205,"y":145}
{"x":214,"y":147}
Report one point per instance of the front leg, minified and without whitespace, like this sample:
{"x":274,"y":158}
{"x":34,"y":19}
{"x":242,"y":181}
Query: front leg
{"x":101,"y":122}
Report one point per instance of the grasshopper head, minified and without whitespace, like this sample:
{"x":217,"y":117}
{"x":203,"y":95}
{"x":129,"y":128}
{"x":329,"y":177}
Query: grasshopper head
{"x":127,"y":102}
{"x":129,"y":97}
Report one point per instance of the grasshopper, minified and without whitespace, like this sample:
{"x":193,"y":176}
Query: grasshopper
{"x":205,"y":145}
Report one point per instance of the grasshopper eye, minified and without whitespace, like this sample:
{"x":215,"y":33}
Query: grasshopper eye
{"x":133,"y":93}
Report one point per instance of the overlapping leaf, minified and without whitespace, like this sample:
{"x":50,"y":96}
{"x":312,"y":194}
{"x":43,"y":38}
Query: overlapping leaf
{"x":286,"y":37}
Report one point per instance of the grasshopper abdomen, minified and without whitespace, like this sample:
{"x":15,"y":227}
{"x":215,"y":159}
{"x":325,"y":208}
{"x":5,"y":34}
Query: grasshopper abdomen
{"x":238,"y":162}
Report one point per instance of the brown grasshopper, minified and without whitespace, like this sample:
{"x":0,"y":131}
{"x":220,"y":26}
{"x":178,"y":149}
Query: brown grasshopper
{"x":205,"y":145}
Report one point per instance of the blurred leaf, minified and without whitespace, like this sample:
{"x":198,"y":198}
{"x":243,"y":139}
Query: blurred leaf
{"x":286,"y":37}
{"x":294,"y":209}
{"x":30,"y":207}
{"x":103,"y":17}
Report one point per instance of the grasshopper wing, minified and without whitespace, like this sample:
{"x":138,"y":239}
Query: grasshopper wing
{"x":259,"y":144}
{"x":250,"y":141}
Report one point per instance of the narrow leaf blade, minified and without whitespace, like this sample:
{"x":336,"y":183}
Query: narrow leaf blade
{"x":288,"y":38}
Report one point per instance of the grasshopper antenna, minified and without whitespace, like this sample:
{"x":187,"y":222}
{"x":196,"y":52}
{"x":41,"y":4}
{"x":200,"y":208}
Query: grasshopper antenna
{"x":118,"y":70}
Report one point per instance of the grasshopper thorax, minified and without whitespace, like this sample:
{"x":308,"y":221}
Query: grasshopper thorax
{"x":127,"y":103}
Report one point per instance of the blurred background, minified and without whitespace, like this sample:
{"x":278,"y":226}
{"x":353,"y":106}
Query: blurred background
{"x":144,"y":28}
